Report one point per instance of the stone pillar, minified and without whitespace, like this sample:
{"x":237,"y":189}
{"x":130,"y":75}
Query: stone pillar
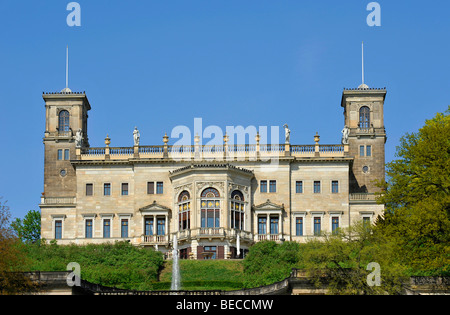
{"x":107,"y":143}
{"x":317,"y":148}
{"x":165,"y":140}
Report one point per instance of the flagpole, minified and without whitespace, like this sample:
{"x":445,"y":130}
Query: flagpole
{"x":67,"y":67}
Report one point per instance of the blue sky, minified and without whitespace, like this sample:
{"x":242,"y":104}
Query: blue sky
{"x":160,"y":64}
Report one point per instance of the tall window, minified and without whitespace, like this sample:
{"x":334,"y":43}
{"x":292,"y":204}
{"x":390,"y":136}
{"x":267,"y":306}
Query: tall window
{"x":184,"y":211}
{"x":263,"y":186}
{"x":159,"y":188}
{"x":299,"y":226}
{"x":148,"y":226}
{"x":335,"y":187}
{"x":334,"y":224}
{"x":368,"y":150}
{"x":262,"y":225}
{"x":210,"y":208}
{"x":124,"y":228}
{"x":273,"y":186}
{"x":317,"y":226}
{"x":107,"y":189}
{"x":364,"y":117}
{"x":299,"y":187}
{"x":67,"y":154}
{"x":88,"y":228}
{"x":150,"y":188}
{"x":64,"y":121}
{"x":317,"y":187}
{"x":124,"y":189}
{"x":58,"y":229}
{"x":273,"y":225}
{"x":160,"y":226}
{"x":89,"y":189}
{"x":106,"y":228}
{"x":237,"y":210}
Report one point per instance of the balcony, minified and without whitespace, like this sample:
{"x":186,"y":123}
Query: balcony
{"x":269,"y":237}
{"x":155,"y":240}
{"x":363,"y":198}
{"x":58,"y":202}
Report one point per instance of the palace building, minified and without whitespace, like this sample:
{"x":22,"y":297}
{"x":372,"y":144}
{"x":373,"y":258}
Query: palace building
{"x":215,"y":200}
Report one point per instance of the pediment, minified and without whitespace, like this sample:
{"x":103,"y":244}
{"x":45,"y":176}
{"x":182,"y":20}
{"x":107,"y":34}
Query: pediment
{"x":154,"y":207}
{"x":268,"y":206}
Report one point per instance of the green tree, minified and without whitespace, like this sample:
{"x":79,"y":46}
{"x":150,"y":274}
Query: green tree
{"x":28,"y":229}
{"x":12,"y":281}
{"x":268,"y":262}
{"x":339,"y":261}
{"x":417,"y":198}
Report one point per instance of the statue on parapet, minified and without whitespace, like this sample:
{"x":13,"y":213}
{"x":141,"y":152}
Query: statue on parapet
{"x":345,"y":134}
{"x":79,"y":138}
{"x":287,"y":133}
{"x":136,"y":136}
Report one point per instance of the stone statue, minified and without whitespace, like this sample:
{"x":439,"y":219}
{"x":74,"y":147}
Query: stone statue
{"x":345,"y":134}
{"x":287,"y":133}
{"x":136,"y":136}
{"x":79,"y":138}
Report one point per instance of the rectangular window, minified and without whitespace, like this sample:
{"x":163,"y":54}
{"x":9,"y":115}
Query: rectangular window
{"x":368,"y":150}
{"x":89,"y":189}
{"x":299,"y":187}
{"x":106,"y":228}
{"x":317,"y":226}
{"x":366,"y":221}
{"x":66,"y":154}
{"x":335,"y":187}
{"x":299,"y":226}
{"x":159,"y":188}
{"x":334,"y":224}
{"x":317,"y":187}
{"x":148,"y":226}
{"x":124,"y":228}
{"x":107,"y":189}
{"x":58,"y":229}
{"x":60,"y":154}
{"x":263,"y":186}
{"x":161,"y":226}
{"x":274,"y":225}
{"x":262,"y":225}
{"x":88,"y":228}
{"x":124,"y":189}
{"x":273,"y":186}
{"x":361,"y":150}
{"x":150,"y":188}
{"x":211,"y":252}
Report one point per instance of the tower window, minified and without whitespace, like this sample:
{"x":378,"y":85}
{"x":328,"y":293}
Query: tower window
{"x":364,"y":117}
{"x":64,"y":120}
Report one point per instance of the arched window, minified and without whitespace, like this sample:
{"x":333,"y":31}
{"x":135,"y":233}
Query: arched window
{"x":364,"y":117}
{"x":184,"y":211}
{"x":237,"y":210}
{"x":64,"y":121}
{"x":210,"y":208}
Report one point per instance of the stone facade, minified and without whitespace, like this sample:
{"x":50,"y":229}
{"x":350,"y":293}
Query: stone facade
{"x":217,"y":200}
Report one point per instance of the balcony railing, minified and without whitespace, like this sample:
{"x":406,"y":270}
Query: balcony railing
{"x":58,"y":200}
{"x":362,"y":197}
{"x":155,"y":239}
{"x":217,"y":152}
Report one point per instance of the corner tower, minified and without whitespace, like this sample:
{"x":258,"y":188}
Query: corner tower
{"x":364,"y":117}
{"x":66,"y":114}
